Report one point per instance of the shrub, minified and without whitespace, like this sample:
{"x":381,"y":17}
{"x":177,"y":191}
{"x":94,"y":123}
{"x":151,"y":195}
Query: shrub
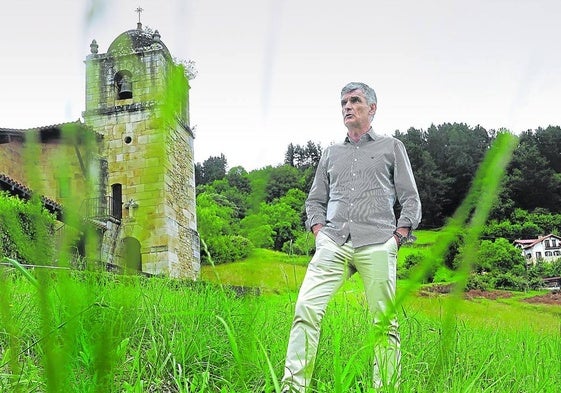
{"x":556,"y":267}
{"x":443,"y":274}
{"x":413,"y":261}
{"x":483,"y":282}
{"x":499,"y":256}
{"x":304,"y":244}
{"x":24,"y":223}
{"x":223,"y":249}
{"x":256,"y":228}
{"x":510,"y":281}
{"x":535,"y":283}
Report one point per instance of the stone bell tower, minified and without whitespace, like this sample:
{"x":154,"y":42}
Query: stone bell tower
{"x":137,"y":97}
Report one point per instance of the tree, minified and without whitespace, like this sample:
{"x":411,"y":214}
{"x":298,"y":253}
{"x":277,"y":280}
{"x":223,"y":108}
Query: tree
{"x":307,"y":178}
{"x":257,"y":229}
{"x":259,"y":179}
{"x":548,"y":142}
{"x":235,"y":198}
{"x":531,"y":181}
{"x":499,"y":256}
{"x":547,"y":222}
{"x":303,"y":157}
{"x":284,"y":216}
{"x":282,"y":179}
{"x":267,"y":205}
{"x":313,"y":155}
{"x":199,"y":176}
{"x":289,"y":155}
{"x":457,"y":150}
{"x":213,"y":168}
{"x":432,"y":183}
{"x":215,"y":216}
{"x":237,"y":178}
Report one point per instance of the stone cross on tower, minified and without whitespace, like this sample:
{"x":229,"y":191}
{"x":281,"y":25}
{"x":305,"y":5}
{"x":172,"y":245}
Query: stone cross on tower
{"x":139,"y":11}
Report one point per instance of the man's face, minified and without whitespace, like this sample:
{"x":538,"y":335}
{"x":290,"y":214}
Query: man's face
{"x":356,"y":111}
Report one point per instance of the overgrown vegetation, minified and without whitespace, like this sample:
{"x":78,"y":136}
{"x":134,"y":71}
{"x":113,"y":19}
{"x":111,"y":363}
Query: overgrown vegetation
{"x":92,"y":332}
{"x":23,"y":224}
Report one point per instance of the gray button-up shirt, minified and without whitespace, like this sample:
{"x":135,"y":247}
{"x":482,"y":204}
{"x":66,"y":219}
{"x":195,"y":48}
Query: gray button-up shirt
{"x":356,"y":186}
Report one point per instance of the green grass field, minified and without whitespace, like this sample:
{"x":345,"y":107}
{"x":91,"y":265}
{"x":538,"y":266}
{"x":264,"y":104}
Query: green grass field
{"x":100,"y":332}
{"x":273,"y":271}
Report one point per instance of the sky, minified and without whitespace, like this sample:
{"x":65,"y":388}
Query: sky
{"x":270,"y":72}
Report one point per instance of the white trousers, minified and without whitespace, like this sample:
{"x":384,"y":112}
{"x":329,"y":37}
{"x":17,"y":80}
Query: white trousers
{"x":330,"y":266}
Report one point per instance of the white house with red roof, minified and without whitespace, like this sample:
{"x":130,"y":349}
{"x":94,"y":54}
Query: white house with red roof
{"x":547,"y":248}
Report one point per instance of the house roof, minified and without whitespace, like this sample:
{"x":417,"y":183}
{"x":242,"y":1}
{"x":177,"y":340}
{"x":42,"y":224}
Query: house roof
{"x":15,"y":188}
{"x":529,"y":243}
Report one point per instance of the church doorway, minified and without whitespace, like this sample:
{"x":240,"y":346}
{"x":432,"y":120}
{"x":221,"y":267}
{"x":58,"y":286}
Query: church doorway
{"x":132,"y":255}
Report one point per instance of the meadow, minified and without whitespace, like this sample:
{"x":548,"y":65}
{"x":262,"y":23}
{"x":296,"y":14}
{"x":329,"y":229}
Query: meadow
{"x":64,"y":331}
{"x":93,"y":331}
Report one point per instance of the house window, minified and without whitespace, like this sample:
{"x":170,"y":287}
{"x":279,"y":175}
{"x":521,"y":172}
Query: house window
{"x":548,"y":254}
{"x":547,"y":244}
{"x":538,"y":254}
{"x":556,"y":253}
{"x":553,"y":242}
{"x":528,"y":256}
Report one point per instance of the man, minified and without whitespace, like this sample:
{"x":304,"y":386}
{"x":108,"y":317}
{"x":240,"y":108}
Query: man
{"x":350,"y":210}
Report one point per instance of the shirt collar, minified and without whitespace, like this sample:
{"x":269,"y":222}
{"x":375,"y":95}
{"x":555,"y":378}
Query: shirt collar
{"x":368,"y":135}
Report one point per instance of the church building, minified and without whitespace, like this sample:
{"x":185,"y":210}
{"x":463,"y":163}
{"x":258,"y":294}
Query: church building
{"x":127,"y":169}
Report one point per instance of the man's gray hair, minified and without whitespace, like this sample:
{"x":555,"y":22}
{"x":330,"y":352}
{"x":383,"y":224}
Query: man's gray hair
{"x":369,"y":92}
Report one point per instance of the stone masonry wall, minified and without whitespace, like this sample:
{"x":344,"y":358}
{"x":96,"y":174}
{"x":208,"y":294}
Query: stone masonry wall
{"x":56,"y":172}
{"x":11,"y":160}
{"x":151,"y":159}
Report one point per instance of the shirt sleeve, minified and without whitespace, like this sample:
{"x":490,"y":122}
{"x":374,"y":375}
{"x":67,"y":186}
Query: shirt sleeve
{"x":406,"y":189}
{"x":316,"y":203}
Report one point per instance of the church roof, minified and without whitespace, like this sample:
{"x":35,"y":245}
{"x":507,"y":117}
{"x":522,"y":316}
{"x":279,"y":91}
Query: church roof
{"x":137,"y":40}
{"x":15,"y":188}
{"x":45,"y":132}
{"x":40,"y":128}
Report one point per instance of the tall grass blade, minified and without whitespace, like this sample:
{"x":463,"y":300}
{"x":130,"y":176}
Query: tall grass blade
{"x":271,"y":368}
{"x":232,"y":339}
{"x":22,"y":270}
{"x":477,"y":204}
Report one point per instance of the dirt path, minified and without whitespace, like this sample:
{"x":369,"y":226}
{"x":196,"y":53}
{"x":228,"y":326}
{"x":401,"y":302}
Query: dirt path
{"x":552,"y":297}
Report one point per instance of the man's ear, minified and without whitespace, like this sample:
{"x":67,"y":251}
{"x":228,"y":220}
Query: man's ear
{"x":373,"y":109}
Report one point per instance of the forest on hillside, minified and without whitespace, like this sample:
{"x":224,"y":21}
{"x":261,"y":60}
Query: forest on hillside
{"x":238,"y":210}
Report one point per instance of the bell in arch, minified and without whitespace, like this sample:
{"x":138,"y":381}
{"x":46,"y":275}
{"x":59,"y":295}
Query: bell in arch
{"x":125,"y":88}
